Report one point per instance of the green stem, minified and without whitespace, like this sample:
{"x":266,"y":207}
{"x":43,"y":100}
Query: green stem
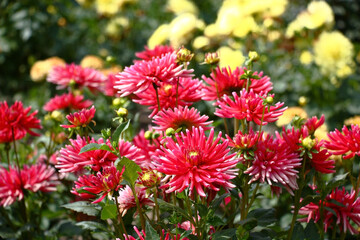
{"x":7,"y":149}
{"x":156,"y":204}
{"x":142,"y":219}
{"x":120,"y":219}
{"x":252,"y":200}
{"x":357,"y":186}
{"x":157,"y":96}
{"x":244,"y":199}
{"x":262,"y":120}
{"x":197,"y":226}
{"x":16,"y":155}
{"x":236,"y":126}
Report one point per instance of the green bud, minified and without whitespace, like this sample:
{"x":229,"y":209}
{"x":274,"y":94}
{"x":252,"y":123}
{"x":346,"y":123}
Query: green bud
{"x":211,"y":58}
{"x":170,"y":132}
{"x":122,"y":112}
{"x":155,"y":135}
{"x":148,"y":135}
{"x":253,"y":56}
{"x":269,"y":100}
{"x":184,"y":55}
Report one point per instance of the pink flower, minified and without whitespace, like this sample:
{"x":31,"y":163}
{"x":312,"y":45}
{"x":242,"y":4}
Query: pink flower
{"x":109,"y":89}
{"x":10,"y":186}
{"x":189,"y":91}
{"x":158,"y":51}
{"x":126,"y":198}
{"x":245,"y":141}
{"x":83,"y":77}
{"x":248,"y":106}
{"x":103,"y":183}
{"x":80,"y":119}
{"x":67,"y":101}
{"x":181,"y":117}
{"x":345,"y":205}
{"x":195,"y":161}
{"x":274,"y":163}
{"x":16,"y":120}
{"x":345,"y":143}
{"x":224,"y":81}
{"x":314,"y":123}
{"x":143,"y":74}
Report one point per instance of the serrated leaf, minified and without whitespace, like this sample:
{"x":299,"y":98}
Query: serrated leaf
{"x":335,"y":182}
{"x":215,"y":221}
{"x":168,"y":206}
{"x":203,"y":210}
{"x":95,"y":146}
{"x":151,"y":234}
{"x":264,"y":216}
{"x":83,"y":207}
{"x":109,"y":211}
{"x":131,"y":172}
{"x":217,"y":201}
{"x":185,"y":234}
{"x":90,"y":225}
{"x":224,"y":234}
{"x":333,"y":201}
{"x":310,"y":199}
{"x":249,"y":223}
{"x":119,"y":130}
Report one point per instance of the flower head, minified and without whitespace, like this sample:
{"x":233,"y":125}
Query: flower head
{"x":158,"y":51}
{"x":196,"y":162}
{"x":225,"y":81}
{"x":245,"y":141}
{"x":67,"y":101}
{"x":80,"y":119}
{"x":15,"y":120}
{"x":143,"y":74}
{"x":181,"y":117}
{"x":10,"y":186}
{"x":289,"y":114}
{"x":126,"y":198}
{"x":249,"y":106}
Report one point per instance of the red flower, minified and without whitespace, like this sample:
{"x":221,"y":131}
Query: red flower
{"x":345,"y":205}
{"x":83,"y":77}
{"x":126,"y":198}
{"x":10,"y":186}
{"x":67,"y":101}
{"x":314,"y":123}
{"x":158,"y":51}
{"x":104,"y":183}
{"x":16,"y":120}
{"x":195,"y":161}
{"x":345,"y":143}
{"x":249,"y":106}
{"x":143,"y":74}
{"x":80,"y":119}
{"x":180,"y":117}
{"x":245,"y":141}
{"x":189,"y":91}
{"x":224,"y":81}
{"x":109,"y":89}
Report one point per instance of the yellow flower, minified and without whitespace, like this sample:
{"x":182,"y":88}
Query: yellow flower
{"x":159,"y":36}
{"x":112,"y":70}
{"x":334,"y":54}
{"x":200,"y":42}
{"x":322,"y":133}
{"x":289,"y":114}
{"x":108,"y":7}
{"x":181,"y":6}
{"x":116,"y":26}
{"x":91,"y":61}
{"x":229,"y":57}
{"x":353,"y":120}
{"x":41,"y":69}
{"x":306,"y":57}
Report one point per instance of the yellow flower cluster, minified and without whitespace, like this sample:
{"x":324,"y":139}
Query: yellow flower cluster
{"x":317,"y":14}
{"x":289,"y":114}
{"x":40,"y":69}
{"x":106,"y":7}
{"x":353,"y":120}
{"x":334,"y":54}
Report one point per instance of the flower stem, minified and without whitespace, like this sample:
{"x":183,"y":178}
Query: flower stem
{"x":252,"y":200}
{"x":120,"y":219}
{"x":236,"y":126}
{"x":142,"y":219}
{"x":157,"y":96}
{"x":156,"y":204}
{"x":7,"y":149}
{"x":16,"y":155}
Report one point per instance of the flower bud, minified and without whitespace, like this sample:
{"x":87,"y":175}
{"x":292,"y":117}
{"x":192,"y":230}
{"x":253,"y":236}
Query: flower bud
{"x":302,"y":101}
{"x":148,"y":135}
{"x":155,"y":135}
{"x":110,"y":59}
{"x":253,"y":56}
{"x":212,"y":58}
{"x":308,"y":143}
{"x":170,"y":132}
{"x":149,"y":178}
{"x":269,"y":100}
{"x":57,"y":116}
{"x":116,"y":102}
{"x":122,"y":112}
{"x":184,"y":55}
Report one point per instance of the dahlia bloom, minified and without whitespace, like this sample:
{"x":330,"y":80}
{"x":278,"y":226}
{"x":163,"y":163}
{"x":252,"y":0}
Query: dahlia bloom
{"x":67,"y":101}
{"x":345,"y":143}
{"x":274,"y":163}
{"x":345,"y":205}
{"x":104,"y":183}
{"x":10,"y":186}
{"x":158,"y":51}
{"x":245,"y":141}
{"x":126,"y":199}
{"x":83,"y":77}
{"x":181,"y":117}
{"x":249,"y":106}
{"x":80,"y":119}
{"x":17,"y":120}
{"x":196,"y":161}
{"x":314,"y":123}
{"x":143,"y":74}
{"x":225,"y":81}
{"x":189,"y":91}
{"x":109,"y":88}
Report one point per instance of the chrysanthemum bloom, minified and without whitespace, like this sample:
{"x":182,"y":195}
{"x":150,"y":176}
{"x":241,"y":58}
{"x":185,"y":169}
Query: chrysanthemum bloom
{"x":225,"y":81}
{"x":314,"y":123}
{"x":15,"y":120}
{"x":158,"y":51}
{"x":103,"y":183}
{"x":149,"y":178}
{"x":126,"y":199}
{"x":143,"y":74}
{"x":345,"y":205}
{"x":67,"y":101}
{"x":39,"y":177}
{"x":81,"y":118}
{"x":345,"y":143}
{"x":245,"y":141}
{"x":249,"y":106}
{"x":10,"y":186}
{"x":41,"y":69}
{"x":83,"y":77}
{"x":274,"y":163}
{"x":109,"y":89}
{"x":196,"y":162}
{"x":181,"y":117}
{"x":289,"y":114}
{"x":189,"y":91}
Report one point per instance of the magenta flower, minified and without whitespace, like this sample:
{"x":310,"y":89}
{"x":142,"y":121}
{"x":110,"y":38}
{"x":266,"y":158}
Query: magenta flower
{"x":314,"y":123}
{"x":189,"y":91}
{"x":196,"y":162}
{"x":103,"y":183}
{"x":345,"y":205}
{"x":67,"y":101}
{"x":126,"y":198}
{"x":83,"y":77}
{"x":345,"y":143}
{"x":158,"y":51}
{"x":274,"y":163}
{"x":143,"y":74}
{"x":248,"y":106}
{"x":80,"y":119}
{"x":225,"y":81}
{"x":245,"y":141}
{"x":10,"y":186}
{"x":109,"y":89}
{"x":17,"y":120}
{"x":181,"y":117}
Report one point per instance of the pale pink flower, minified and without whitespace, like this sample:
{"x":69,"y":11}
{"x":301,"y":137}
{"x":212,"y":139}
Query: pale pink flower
{"x":126,"y":199}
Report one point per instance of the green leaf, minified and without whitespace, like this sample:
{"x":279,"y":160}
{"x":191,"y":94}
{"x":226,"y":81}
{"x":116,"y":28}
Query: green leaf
{"x":331,"y":210}
{"x":225,"y":234}
{"x":249,"y":223}
{"x":119,"y":130}
{"x":242,"y":233}
{"x":203,"y":210}
{"x":90,"y":225}
{"x":95,"y":146}
{"x":264,"y":216}
{"x":216,"y":221}
{"x":335,"y":182}
{"x":298,"y":233}
{"x":131,"y":170}
{"x":311,"y":231}
{"x":168,"y":206}
{"x":310,"y":199}
{"x":109,"y":211}
{"x":217,"y":201}
{"x":83,"y":207}
{"x":151,"y":234}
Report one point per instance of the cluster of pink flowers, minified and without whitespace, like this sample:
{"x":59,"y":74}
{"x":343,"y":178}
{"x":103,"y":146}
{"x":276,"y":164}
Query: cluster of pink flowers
{"x":67,"y":101}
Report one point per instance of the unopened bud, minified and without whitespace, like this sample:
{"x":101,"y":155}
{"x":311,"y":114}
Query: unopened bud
{"x":170,"y":132}
{"x":269,"y":100}
{"x":155,"y":135}
{"x":110,"y":59}
{"x":212,"y":58}
{"x":308,"y":143}
{"x":149,"y":178}
{"x":57,"y":116}
{"x":122,"y":112}
{"x":302,"y":101}
{"x":116,"y":102}
{"x":72,"y":83}
{"x":184,"y":55}
{"x":148,"y":135}
{"x":106,"y":133}
{"x":253,"y":56}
